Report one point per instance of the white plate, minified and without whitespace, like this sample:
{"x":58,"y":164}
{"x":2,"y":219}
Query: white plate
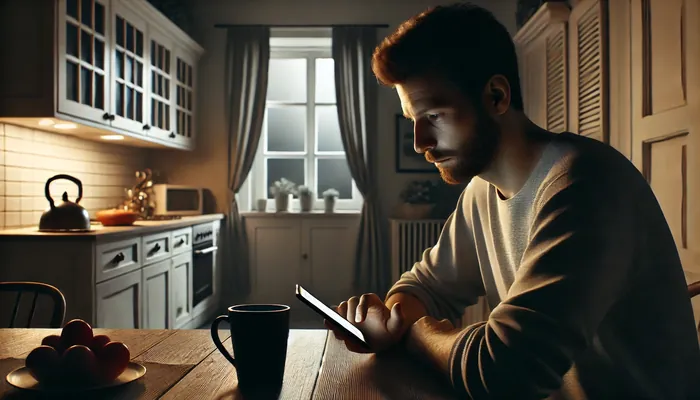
{"x":20,"y":378}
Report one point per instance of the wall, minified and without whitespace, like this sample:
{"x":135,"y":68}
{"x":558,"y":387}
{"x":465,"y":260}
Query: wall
{"x":29,"y":157}
{"x":207,"y":165}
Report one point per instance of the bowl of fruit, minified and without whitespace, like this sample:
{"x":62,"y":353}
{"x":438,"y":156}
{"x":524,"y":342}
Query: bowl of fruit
{"x":76,"y":360}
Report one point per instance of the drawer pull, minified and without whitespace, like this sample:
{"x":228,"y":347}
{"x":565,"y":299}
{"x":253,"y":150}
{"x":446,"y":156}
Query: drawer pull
{"x":118,"y":258}
{"x":180,"y":243}
{"x":155,"y":249}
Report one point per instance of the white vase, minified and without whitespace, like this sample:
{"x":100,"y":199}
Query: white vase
{"x":306,"y":201}
{"x":282,"y":202}
{"x":329,"y":203}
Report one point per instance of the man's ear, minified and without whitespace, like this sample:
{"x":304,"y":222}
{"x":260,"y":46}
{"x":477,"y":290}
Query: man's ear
{"x":497,"y":95}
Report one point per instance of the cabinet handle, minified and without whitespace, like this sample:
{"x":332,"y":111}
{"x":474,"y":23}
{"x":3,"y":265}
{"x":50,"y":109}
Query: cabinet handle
{"x":106,"y":116}
{"x":155,"y":248}
{"x":146,"y":127}
{"x":118,"y":258}
{"x":180,"y":243}
{"x":179,"y":311}
{"x":111,"y":117}
{"x":305,"y":256}
{"x":172,"y":135}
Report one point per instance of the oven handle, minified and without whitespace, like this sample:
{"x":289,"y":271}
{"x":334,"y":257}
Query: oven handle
{"x":206,"y":251}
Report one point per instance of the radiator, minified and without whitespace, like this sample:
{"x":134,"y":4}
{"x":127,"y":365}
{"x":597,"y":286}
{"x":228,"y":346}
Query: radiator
{"x":409,"y":239}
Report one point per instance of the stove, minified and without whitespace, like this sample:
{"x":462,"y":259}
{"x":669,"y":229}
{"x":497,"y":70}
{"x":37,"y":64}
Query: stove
{"x":203,"y":259}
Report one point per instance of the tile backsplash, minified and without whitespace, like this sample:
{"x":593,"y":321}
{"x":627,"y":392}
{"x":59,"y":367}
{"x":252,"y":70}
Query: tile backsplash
{"x":28,"y":158}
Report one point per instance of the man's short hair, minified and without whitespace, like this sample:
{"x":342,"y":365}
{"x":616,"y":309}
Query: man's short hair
{"x":461,"y":42}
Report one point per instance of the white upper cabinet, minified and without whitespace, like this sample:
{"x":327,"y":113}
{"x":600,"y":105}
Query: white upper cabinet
{"x":129,"y":58}
{"x":105,"y":66}
{"x":84,"y":59}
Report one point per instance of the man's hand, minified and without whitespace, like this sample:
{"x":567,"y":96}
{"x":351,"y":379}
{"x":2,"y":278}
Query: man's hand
{"x":382,"y":328}
{"x":434,"y":340}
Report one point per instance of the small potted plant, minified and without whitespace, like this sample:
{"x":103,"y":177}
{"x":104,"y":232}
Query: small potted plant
{"x":282,"y":189}
{"x":305,"y":198}
{"x":329,"y":197}
{"x":418,"y":199}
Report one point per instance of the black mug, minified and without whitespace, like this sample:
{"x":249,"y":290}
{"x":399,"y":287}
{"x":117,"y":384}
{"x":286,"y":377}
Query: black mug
{"x":259,"y":334}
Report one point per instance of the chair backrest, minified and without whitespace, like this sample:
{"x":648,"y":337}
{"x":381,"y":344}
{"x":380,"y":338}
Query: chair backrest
{"x":694,"y":289}
{"x":36,"y":288}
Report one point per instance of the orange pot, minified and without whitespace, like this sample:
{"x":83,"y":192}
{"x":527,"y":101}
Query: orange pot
{"x":116,"y":217}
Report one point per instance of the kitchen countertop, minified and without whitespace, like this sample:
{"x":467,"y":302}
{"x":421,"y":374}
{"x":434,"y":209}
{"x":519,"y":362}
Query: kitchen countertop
{"x":110,"y":232}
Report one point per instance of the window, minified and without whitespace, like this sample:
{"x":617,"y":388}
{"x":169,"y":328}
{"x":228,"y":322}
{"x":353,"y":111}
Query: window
{"x":301,"y":136}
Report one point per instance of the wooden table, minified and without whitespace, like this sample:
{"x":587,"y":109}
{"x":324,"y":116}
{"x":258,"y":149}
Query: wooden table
{"x":184,"y":364}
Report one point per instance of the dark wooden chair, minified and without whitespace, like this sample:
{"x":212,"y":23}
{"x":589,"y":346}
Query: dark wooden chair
{"x":694,"y":289}
{"x":37,"y":288}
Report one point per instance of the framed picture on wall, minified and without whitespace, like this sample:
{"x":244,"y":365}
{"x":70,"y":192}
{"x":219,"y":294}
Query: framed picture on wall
{"x":407,"y":160}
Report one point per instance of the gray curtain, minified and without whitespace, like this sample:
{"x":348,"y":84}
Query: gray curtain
{"x":245,"y":90}
{"x":356,"y":96}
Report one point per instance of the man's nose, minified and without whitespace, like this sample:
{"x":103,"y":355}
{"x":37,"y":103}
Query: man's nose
{"x":423,"y":138}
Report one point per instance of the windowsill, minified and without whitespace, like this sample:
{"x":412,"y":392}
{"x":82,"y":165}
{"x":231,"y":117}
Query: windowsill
{"x":299,"y":214}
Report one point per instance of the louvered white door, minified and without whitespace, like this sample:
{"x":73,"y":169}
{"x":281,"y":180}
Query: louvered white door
{"x":588,"y":67}
{"x":666,"y":114}
{"x":556,"y":110}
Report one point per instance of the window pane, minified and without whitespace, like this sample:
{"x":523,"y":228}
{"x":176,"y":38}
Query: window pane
{"x":286,"y":128}
{"x":325,"y":81}
{"x":290,"y":168}
{"x":334,"y":173}
{"x":287,"y":80}
{"x":327,"y":129}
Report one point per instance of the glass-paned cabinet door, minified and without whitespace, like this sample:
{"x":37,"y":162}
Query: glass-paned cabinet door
{"x":161,"y":75}
{"x":129,"y":70}
{"x":83,"y":62}
{"x":184,"y":98}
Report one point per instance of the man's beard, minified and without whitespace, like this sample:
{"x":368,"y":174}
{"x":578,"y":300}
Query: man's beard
{"x":475,"y":154}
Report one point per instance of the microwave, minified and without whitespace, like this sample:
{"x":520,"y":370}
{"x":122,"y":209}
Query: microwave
{"x":177,"y":199}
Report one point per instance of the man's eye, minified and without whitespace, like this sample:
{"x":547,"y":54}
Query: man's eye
{"x":433,"y":117}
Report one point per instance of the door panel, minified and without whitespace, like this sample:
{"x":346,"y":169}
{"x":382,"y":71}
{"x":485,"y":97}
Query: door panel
{"x":665,"y":108}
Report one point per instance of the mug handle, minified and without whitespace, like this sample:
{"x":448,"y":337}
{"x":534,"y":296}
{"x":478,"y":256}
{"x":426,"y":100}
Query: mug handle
{"x":217,"y":340}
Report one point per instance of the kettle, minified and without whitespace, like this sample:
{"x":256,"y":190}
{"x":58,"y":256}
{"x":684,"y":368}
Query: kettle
{"x":67,"y":216}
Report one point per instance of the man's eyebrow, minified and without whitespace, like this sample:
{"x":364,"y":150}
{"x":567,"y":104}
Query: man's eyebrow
{"x":430,"y":102}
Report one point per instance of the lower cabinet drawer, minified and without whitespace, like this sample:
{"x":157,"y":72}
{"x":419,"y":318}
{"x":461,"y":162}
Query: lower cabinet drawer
{"x":156,"y":247}
{"x":117,"y":258}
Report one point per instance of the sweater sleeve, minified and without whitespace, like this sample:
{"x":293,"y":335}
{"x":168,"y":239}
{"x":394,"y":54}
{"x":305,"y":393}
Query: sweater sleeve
{"x":447,"y":279}
{"x":575,"y":267}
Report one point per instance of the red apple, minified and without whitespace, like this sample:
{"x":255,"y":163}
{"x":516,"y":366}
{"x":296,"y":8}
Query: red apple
{"x":55,"y":342}
{"x":98,"y":343}
{"x":113,"y":360}
{"x":79,"y":364}
{"x":43,"y":364}
{"x":76,"y":332}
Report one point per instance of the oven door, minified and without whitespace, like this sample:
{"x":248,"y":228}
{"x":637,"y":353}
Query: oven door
{"x":202,"y":271}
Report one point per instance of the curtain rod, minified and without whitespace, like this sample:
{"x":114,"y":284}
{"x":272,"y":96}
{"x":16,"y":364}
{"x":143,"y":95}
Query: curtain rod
{"x":304,"y":26}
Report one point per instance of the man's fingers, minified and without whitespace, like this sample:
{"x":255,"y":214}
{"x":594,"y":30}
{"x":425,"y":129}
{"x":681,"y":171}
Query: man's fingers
{"x":361,"y":310}
{"x":343,"y":308}
{"x":352,"y":308}
{"x":396,"y":319}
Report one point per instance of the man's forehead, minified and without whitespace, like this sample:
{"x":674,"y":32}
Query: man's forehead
{"x":418,"y":95}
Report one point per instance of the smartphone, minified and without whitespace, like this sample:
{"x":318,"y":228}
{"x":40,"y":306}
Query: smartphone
{"x":331,"y":316}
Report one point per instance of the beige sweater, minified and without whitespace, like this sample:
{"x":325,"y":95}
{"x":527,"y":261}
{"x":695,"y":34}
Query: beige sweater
{"x":581,"y":271}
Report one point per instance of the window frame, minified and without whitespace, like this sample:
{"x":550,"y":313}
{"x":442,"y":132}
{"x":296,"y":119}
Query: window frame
{"x":310,"y":153}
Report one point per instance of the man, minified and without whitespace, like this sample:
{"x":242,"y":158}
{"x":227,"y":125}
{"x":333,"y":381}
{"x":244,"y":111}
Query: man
{"x":561,"y":233}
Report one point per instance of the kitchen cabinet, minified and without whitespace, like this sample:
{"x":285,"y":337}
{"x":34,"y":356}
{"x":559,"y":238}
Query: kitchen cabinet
{"x":157,"y":296}
{"x":562,"y":54}
{"x":120,"y":67}
{"x":181,"y":270}
{"x":541,"y":45}
{"x":118,"y":302}
{"x":116,"y":279}
{"x":316,"y":251}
